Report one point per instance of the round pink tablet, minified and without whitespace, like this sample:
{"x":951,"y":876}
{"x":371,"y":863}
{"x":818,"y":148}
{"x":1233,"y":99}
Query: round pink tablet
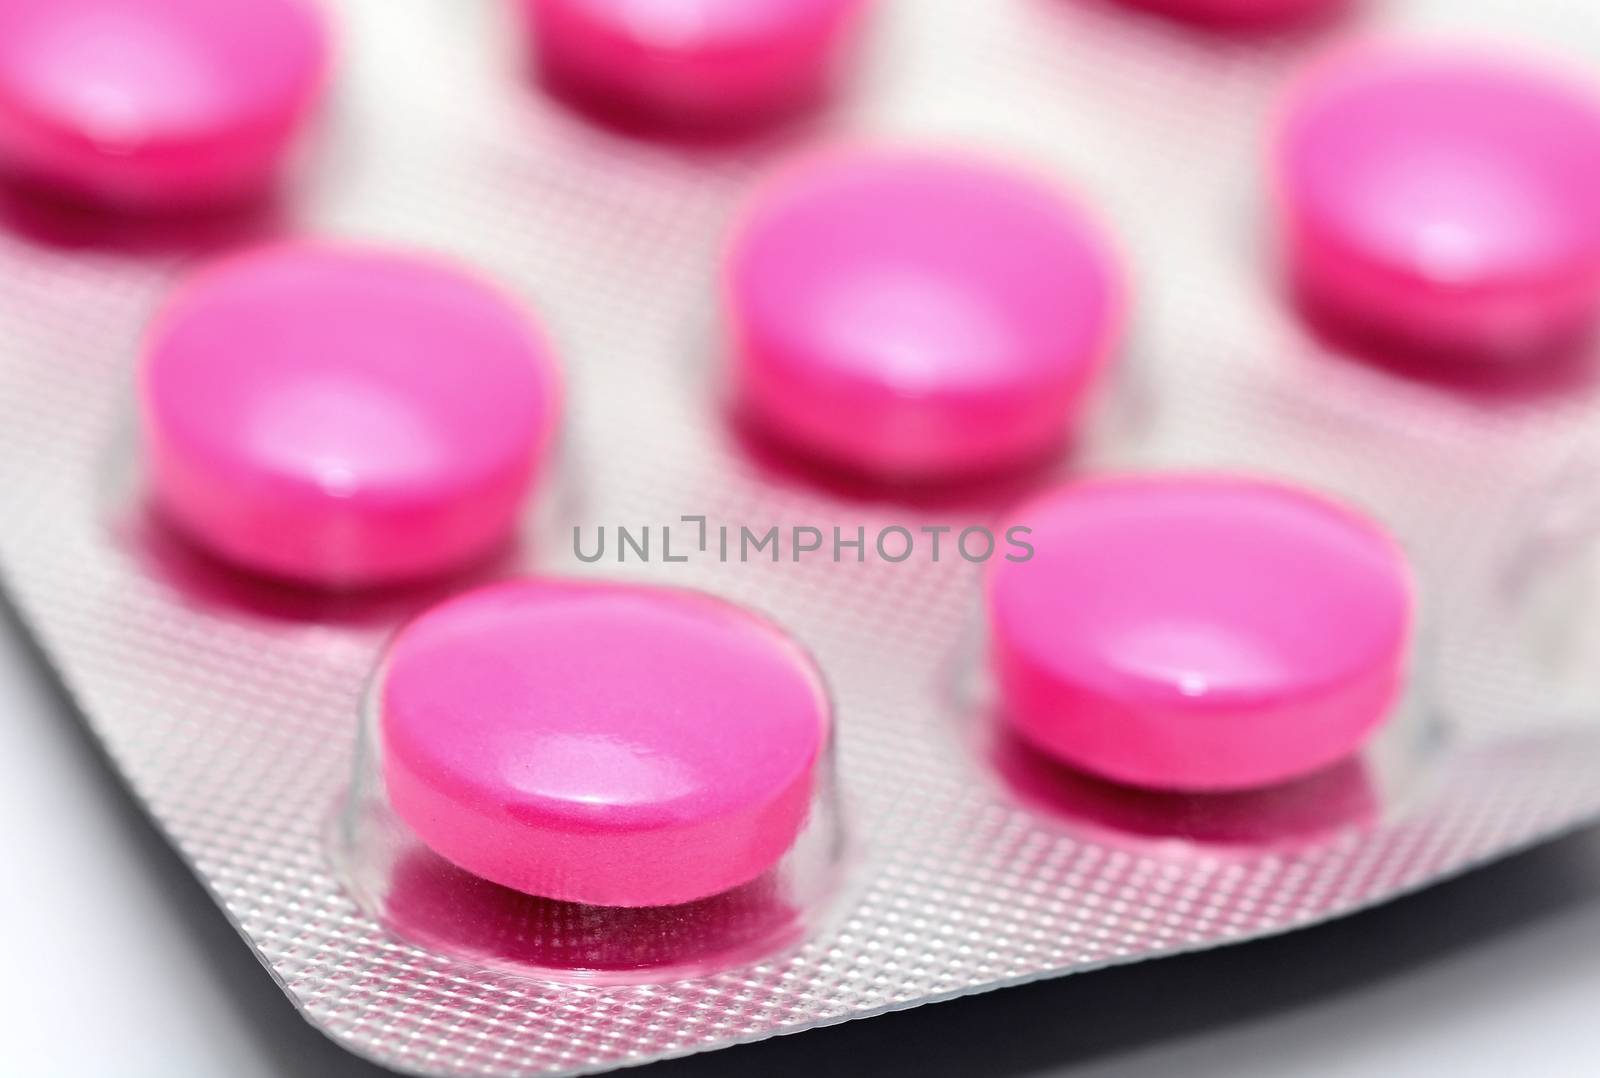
{"x":916,"y":315}
{"x":344,"y":416}
{"x":1242,"y":13}
{"x":1444,"y":200}
{"x":692,"y":61}
{"x":155,"y":104}
{"x":601,"y":743}
{"x":1195,"y":632}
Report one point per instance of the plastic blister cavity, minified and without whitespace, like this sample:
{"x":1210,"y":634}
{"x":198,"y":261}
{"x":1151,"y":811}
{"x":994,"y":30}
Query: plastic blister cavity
{"x":236,"y":723}
{"x":424,"y":898}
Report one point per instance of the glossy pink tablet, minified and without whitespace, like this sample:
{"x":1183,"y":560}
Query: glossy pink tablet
{"x":916,"y":315}
{"x":344,"y":416}
{"x":1242,"y":13}
{"x":601,"y":743}
{"x":1197,"y":632}
{"x":692,"y":62}
{"x":1443,"y":200}
{"x":156,"y":104}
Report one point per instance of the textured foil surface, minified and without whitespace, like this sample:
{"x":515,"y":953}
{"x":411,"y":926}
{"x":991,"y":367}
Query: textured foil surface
{"x":232,"y":708}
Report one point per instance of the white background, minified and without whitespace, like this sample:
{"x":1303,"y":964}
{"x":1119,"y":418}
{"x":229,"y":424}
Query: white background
{"x":116,"y":963}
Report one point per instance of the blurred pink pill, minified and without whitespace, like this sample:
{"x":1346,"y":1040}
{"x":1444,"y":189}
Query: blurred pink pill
{"x":1443,"y":200}
{"x":155,"y":104}
{"x":1198,"y":632}
{"x":692,"y":61}
{"x":914,"y":315}
{"x":1241,"y":13}
{"x":344,"y":416}
{"x":601,"y":743}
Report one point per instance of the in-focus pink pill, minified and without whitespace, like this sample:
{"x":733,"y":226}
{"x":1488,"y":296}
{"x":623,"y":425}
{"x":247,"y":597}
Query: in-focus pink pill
{"x":917,"y":315}
{"x":344,"y":416}
{"x":156,"y":104}
{"x":692,"y":61}
{"x":601,"y":743}
{"x":1444,"y":200}
{"x":1198,"y":632}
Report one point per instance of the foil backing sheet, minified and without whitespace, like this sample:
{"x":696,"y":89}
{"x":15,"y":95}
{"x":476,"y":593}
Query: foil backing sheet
{"x":232,"y":708}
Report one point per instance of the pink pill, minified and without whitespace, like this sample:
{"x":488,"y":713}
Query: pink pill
{"x":692,"y":61}
{"x":601,"y":743}
{"x":1443,"y":201}
{"x":155,"y":104}
{"x":344,"y":416}
{"x":915,"y":315}
{"x":1198,"y":632}
{"x":1241,"y":13}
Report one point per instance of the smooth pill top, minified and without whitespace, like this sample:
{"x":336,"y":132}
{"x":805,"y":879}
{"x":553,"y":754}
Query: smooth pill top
{"x":344,"y":414}
{"x":689,"y":25}
{"x":1453,"y":168}
{"x":154,"y":99}
{"x":692,"y":62}
{"x":917,"y":313}
{"x":601,"y":743}
{"x":1199,"y":631}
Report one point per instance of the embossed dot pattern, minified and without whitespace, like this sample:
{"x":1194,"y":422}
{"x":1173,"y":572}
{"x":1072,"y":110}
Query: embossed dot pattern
{"x":234,"y":717}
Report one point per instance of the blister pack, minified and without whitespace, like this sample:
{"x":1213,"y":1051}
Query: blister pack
{"x":932,"y":856}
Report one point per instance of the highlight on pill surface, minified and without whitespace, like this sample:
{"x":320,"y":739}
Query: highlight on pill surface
{"x":156,"y":104}
{"x":1443,"y":201}
{"x":692,"y":62}
{"x":342,"y":415}
{"x":916,"y":314}
{"x":600,"y":743}
{"x":1198,"y":632}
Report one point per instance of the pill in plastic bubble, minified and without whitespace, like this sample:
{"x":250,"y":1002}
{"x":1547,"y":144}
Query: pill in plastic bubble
{"x":916,"y":315}
{"x":344,"y":416}
{"x":155,"y":104}
{"x":600,"y":743}
{"x":1447,"y":202}
{"x":1197,"y":632}
{"x":694,"y":62}
{"x":1242,"y":13}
